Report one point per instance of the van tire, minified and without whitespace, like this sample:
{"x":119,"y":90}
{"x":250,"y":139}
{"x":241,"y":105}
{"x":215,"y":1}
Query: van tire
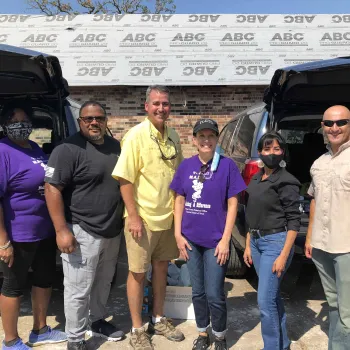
{"x":236,"y":267}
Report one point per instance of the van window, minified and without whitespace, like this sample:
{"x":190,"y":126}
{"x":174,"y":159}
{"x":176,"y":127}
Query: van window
{"x":293,"y":136}
{"x":305,"y":144}
{"x":226,"y":135}
{"x":241,"y":145}
{"x":41,"y":136}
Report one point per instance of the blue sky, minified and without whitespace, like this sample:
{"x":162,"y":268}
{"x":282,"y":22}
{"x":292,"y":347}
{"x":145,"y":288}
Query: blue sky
{"x":229,"y":6}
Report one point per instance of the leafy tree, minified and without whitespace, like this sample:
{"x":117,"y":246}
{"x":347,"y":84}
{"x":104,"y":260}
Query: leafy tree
{"x":54,"y":7}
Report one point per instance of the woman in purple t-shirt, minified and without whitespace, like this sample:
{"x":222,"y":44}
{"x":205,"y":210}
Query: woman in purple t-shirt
{"x":205,"y":213}
{"x":27,"y":236}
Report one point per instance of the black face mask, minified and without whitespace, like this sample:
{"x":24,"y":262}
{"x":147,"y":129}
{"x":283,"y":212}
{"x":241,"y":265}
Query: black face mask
{"x":272,"y":161}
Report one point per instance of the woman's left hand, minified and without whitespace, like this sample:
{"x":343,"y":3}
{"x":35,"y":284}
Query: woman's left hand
{"x":279,"y":265}
{"x":222,"y":251}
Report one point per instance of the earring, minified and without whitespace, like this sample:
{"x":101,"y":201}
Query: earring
{"x":282,"y":164}
{"x":260,"y":163}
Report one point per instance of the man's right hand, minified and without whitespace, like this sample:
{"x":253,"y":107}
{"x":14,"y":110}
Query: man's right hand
{"x":135,"y":226}
{"x":308,"y":249}
{"x":66,"y":241}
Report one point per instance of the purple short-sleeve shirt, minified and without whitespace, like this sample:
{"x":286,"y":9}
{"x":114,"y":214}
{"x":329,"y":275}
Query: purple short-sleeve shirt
{"x":22,"y":192}
{"x":205,"y":212}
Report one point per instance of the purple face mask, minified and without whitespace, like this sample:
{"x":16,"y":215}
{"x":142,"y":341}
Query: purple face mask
{"x":19,"y":131}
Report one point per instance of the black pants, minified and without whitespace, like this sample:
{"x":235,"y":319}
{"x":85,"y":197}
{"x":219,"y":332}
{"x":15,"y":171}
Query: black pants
{"x":40,"y":256}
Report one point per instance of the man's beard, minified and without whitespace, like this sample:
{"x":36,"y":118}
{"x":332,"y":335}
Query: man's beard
{"x":95,"y":137}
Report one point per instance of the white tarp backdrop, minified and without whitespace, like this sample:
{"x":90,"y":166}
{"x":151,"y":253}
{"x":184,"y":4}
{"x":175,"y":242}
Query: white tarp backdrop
{"x":192,"y":49}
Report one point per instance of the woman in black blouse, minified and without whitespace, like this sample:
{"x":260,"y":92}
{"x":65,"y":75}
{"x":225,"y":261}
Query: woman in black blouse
{"x":273,"y":219}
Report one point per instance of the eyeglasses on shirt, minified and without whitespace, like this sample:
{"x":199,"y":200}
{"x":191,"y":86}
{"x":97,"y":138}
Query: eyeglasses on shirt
{"x":164,"y":157}
{"x":203,"y":173}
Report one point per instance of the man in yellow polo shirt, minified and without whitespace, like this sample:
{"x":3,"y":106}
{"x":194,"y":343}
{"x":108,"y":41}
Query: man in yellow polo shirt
{"x":151,"y":153}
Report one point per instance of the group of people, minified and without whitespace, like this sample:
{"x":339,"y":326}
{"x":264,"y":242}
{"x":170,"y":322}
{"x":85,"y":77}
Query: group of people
{"x":92,"y":188}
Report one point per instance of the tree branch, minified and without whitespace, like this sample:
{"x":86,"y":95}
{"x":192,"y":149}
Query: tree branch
{"x":41,"y":6}
{"x":62,"y":7}
{"x":116,"y":5}
{"x":54,"y":7}
{"x":50,"y":7}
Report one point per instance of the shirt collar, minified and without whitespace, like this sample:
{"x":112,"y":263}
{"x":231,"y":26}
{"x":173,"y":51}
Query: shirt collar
{"x":273,"y":177}
{"x":156,"y":133}
{"x":343,"y":147}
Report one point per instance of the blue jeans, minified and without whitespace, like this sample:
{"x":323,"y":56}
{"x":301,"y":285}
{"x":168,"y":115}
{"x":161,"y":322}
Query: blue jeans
{"x":265,"y":250}
{"x":208,"y":295}
{"x":335,"y":277}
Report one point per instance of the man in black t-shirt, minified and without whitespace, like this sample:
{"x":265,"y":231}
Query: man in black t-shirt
{"x":86,"y":208}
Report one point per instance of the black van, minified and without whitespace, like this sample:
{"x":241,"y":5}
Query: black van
{"x":37,"y":77}
{"x":293,"y":105}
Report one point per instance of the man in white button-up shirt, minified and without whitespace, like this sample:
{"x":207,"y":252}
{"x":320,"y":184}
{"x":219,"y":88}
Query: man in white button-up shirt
{"x":328,"y":237}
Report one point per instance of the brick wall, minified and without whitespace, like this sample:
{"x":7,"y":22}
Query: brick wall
{"x":182,"y":124}
{"x":198,"y":100}
{"x":125,"y":106}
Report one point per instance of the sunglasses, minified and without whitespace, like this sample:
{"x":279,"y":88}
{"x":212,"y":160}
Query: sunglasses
{"x":164,"y":157}
{"x":339,"y":123}
{"x":204,"y":169}
{"x":89,"y":119}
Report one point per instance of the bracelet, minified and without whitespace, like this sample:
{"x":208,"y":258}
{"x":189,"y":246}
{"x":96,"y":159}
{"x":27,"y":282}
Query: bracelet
{"x":7,"y":245}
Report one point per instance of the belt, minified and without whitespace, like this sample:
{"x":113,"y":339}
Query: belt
{"x":261,"y":233}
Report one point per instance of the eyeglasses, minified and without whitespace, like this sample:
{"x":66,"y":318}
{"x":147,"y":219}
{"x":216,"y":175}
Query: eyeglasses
{"x":164,"y":157}
{"x":204,"y":169}
{"x":339,"y":123}
{"x":90,"y":119}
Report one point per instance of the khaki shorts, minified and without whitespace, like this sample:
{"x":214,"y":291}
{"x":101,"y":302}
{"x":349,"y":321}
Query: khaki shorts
{"x":153,"y":246}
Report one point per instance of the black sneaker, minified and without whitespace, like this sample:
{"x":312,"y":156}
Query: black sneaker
{"x":201,"y":343}
{"x":80,"y":345}
{"x":220,"y":344}
{"x":106,"y":330}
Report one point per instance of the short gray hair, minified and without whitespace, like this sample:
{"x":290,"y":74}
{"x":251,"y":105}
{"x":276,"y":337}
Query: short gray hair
{"x":159,"y":88}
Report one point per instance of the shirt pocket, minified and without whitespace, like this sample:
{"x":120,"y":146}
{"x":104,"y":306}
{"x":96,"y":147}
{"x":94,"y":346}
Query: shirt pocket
{"x":321,"y":177}
{"x":152,"y":161}
{"x":341,"y":182}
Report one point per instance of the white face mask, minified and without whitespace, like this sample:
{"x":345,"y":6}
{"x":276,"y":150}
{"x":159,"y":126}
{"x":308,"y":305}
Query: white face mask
{"x":19,"y":131}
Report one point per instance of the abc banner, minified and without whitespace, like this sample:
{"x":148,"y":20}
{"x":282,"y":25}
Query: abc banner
{"x":194,"y":49}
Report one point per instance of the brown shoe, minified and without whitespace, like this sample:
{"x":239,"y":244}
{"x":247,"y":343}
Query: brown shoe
{"x":140,"y":340}
{"x":165,"y":327}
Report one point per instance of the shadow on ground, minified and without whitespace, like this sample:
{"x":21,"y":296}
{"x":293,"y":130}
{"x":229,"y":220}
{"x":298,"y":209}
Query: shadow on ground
{"x":301,"y":285}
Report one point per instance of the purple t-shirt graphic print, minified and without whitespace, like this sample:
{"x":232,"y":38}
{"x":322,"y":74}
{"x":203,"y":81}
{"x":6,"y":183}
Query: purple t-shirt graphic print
{"x":22,"y":192}
{"x":204,"y":217}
